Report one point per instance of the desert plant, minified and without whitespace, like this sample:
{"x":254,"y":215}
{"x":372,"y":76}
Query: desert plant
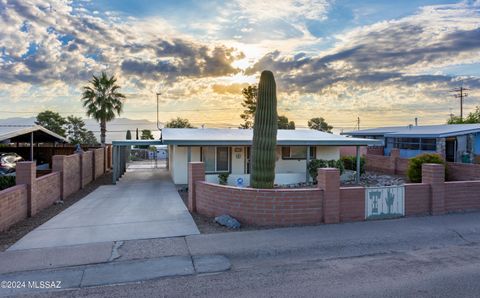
{"x":6,"y":182}
{"x":414,"y":172}
{"x":350,"y":163}
{"x":223,"y":178}
{"x":315,"y":164}
{"x":265,"y":133}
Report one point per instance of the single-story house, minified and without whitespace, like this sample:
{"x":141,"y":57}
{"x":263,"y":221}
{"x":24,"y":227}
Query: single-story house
{"x":455,"y":142}
{"x":229,"y":150}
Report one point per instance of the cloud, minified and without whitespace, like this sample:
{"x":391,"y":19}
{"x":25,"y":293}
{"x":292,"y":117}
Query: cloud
{"x":235,"y":89}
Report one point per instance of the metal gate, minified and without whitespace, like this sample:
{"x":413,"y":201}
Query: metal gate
{"x":384,"y":202}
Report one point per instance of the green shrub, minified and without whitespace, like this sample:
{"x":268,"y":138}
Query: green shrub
{"x":414,"y":172}
{"x":6,"y":182}
{"x":350,"y":163}
{"x":315,"y":164}
{"x":223,"y":178}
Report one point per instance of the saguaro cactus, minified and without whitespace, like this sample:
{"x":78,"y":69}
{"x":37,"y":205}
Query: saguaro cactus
{"x":265,"y":133}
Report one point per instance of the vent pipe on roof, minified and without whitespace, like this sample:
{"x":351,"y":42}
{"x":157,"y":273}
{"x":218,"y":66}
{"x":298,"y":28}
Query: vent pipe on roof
{"x":416,"y":121}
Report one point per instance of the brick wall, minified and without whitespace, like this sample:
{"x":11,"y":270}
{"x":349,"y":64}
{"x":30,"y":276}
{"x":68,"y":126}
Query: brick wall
{"x":260,"y":207}
{"x":462,"y":171}
{"x":375,"y":150}
{"x":379,"y":163}
{"x":71,"y":177}
{"x":352,"y":204}
{"x":87,"y":167}
{"x":13,"y":206}
{"x":47,"y":190}
{"x":99,"y":156}
{"x":417,"y":199}
{"x":401,"y":166}
{"x":462,"y":196}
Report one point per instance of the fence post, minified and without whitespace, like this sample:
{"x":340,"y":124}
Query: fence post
{"x":58,"y":164}
{"x":394,"y":154}
{"x":329,"y":181}
{"x":434,"y":174}
{"x":196,"y":172}
{"x":26,"y":173}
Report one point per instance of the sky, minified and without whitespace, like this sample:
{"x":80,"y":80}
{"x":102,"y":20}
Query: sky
{"x":385,"y":62}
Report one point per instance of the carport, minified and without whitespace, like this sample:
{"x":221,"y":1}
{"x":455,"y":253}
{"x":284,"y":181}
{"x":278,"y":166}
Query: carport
{"x":29,"y":134}
{"x":120,"y":153}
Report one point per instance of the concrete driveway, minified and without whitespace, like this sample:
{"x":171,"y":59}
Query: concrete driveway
{"x":144,"y":204}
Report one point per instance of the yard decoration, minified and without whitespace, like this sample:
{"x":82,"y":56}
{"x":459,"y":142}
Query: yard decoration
{"x":265,"y":133}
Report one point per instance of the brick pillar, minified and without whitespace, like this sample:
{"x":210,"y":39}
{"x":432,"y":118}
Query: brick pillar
{"x":81,"y":168}
{"x":27,"y":174}
{"x":394,"y":154}
{"x":329,"y":181}
{"x":434,"y":174}
{"x":58,"y":164}
{"x":196,"y":172}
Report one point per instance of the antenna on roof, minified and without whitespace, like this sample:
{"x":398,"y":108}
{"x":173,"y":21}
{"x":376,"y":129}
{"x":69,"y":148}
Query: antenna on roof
{"x":416,"y":121}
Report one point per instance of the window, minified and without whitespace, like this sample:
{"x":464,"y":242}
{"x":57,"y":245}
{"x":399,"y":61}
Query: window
{"x":416,"y":144}
{"x":298,"y":152}
{"x":216,"y":159}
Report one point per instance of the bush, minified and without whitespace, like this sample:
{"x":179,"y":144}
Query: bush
{"x":350,"y":163}
{"x":315,"y":164}
{"x":223,"y":178}
{"x":414,"y":172}
{"x":6,"y":182}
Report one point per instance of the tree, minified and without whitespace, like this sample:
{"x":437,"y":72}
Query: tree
{"x":146,"y":134}
{"x":472,"y":118}
{"x":283,"y":123}
{"x":90,"y":138}
{"x":129,"y":135}
{"x":78,"y":133}
{"x":319,"y":123}
{"x":103,"y":101}
{"x":250,"y":104}
{"x":178,"y":123}
{"x":250,"y":95}
{"x":52,"y":121}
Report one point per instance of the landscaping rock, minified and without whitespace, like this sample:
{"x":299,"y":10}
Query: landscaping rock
{"x":227,"y":221}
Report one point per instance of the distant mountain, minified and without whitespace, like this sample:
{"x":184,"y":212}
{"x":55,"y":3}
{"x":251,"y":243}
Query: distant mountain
{"x":116,"y":129}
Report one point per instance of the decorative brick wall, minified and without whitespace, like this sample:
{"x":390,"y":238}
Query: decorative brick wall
{"x":462,"y":196}
{"x":375,"y":150}
{"x":462,"y":171}
{"x":13,"y":206}
{"x":417,"y":199}
{"x":329,"y":181}
{"x":391,"y":165}
{"x":69,"y":166}
{"x":99,"y":156}
{"x":87,"y":167}
{"x":47,"y":191}
{"x":352,"y":204}
{"x":196,"y":172}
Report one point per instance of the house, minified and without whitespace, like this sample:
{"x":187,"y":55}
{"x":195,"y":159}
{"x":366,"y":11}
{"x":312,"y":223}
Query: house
{"x":455,"y":142}
{"x":229,"y":151}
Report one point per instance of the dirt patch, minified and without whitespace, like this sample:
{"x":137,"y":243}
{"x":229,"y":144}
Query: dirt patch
{"x":207,"y":225}
{"x":20,"y":229}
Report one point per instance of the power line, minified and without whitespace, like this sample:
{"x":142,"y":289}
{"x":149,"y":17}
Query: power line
{"x":459,"y":93}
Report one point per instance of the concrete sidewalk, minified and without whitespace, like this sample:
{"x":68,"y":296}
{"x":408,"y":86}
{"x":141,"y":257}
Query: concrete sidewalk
{"x":144,"y":204}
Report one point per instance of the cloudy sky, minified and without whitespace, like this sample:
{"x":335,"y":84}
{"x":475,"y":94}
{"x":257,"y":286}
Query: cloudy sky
{"x":386,"y":62}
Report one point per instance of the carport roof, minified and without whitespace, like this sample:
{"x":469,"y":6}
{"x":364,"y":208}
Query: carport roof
{"x":21,"y":133}
{"x":423,"y":131}
{"x":216,"y":136}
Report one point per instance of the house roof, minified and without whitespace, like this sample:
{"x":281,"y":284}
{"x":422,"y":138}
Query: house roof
{"x":21,"y":133}
{"x":216,"y":136}
{"x":425,"y":131}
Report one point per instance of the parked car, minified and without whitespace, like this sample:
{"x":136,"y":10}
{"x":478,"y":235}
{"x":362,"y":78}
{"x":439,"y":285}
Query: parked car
{"x":8,"y":162}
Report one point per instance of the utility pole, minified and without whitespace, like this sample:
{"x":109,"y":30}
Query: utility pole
{"x":460,"y":93}
{"x":358,"y":123}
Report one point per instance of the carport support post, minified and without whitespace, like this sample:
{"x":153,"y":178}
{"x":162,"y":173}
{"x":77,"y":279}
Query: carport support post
{"x":357,"y":176}
{"x":307,"y":176}
{"x":31,"y":146}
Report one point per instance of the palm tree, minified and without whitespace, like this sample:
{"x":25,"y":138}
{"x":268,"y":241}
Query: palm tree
{"x":102,"y":101}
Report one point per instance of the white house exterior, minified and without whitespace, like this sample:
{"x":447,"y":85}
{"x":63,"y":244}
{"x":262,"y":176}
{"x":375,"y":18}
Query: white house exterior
{"x":228,"y":151}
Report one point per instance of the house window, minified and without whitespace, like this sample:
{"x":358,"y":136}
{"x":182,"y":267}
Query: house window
{"x":416,"y":144}
{"x":298,"y":152}
{"x":216,"y":159}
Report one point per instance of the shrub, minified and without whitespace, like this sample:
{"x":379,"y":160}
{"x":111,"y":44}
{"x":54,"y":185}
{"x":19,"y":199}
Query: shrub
{"x":350,"y":163}
{"x":315,"y":164}
{"x":6,"y":182}
{"x":223,"y":178}
{"x":414,"y":171}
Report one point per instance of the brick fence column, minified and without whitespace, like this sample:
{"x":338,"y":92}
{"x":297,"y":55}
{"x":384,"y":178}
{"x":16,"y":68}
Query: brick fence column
{"x":58,"y":164}
{"x":394,"y":154}
{"x":434,"y":174}
{"x":329,"y":181}
{"x":196,"y":172}
{"x":26,"y":172}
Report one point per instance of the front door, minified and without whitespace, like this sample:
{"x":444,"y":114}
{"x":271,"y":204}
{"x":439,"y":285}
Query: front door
{"x":450,"y":149}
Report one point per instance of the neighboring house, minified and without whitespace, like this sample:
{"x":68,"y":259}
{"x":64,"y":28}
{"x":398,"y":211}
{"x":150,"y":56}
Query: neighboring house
{"x":455,"y":142}
{"x":229,"y":150}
